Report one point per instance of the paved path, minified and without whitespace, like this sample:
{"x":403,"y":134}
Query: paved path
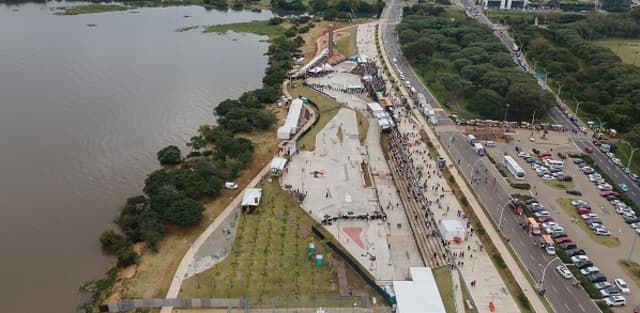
{"x":518,"y":274}
{"x":457,"y":291}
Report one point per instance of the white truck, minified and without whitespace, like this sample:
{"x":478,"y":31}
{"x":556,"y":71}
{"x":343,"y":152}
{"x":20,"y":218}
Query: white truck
{"x":479,"y":149}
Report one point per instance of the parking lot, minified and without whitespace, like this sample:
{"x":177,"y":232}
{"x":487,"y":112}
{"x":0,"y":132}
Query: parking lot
{"x":603,"y":252}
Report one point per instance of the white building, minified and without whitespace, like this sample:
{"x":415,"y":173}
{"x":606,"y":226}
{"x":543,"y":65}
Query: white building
{"x":290,"y":126}
{"x":451,"y":229}
{"x":251,"y":199}
{"x":277,"y":166}
{"x":420,"y":294}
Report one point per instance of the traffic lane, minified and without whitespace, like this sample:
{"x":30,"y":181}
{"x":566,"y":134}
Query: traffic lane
{"x":520,"y":241}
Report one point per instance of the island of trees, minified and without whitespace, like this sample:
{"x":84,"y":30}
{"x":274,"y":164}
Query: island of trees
{"x":466,"y":67}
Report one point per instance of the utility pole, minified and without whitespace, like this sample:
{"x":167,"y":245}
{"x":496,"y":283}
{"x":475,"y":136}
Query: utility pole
{"x":578,"y":102}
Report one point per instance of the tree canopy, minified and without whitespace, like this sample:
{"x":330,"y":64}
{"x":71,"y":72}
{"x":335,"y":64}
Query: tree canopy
{"x":169,"y":155}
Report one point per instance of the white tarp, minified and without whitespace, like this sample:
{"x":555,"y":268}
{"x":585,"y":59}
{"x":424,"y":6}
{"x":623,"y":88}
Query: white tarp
{"x":419,"y":295}
{"x":451,"y":228}
{"x":252,"y":197}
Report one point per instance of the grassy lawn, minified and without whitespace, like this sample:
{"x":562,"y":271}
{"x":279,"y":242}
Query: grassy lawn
{"x":347,"y":45}
{"x":93,"y":8}
{"x":560,"y":185}
{"x":155,"y":270}
{"x":328,"y":109}
{"x":626,"y":49}
{"x":608,"y":241}
{"x":445,"y":286}
{"x":269,"y":258}
{"x":632,"y":268}
{"x":254,"y":27}
{"x":363,"y":127}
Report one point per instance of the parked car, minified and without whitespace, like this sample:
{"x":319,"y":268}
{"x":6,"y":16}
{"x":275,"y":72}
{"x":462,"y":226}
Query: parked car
{"x":609,"y":193}
{"x":589,"y":270}
{"x":573,"y":252}
{"x":564,"y":272}
{"x":588,"y":150}
{"x":568,"y":245}
{"x":561,"y":240}
{"x":565,"y":178}
{"x":596,"y":277}
{"x":605,"y":187}
{"x":557,"y":235}
{"x":230,"y":185}
{"x":603,"y":284}
{"x":610,"y":291}
{"x":579,"y":257}
{"x":583,"y":211}
{"x":622,"y":285}
{"x":542,"y":214}
{"x":631,"y":219}
{"x":579,"y":203}
{"x":562,"y":155}
{"x":574,"y":155}
{"x":583,"y":264}
{"x":615,"y":301}
{"x":574,"y":192}
{"x":578,"y":161}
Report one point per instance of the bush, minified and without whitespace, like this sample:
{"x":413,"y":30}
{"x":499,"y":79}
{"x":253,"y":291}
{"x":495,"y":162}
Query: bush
{"x":126,"y":257}
{"x":111,"y":240}
{"x":464,"y":201}
{"x":524,"y":301}
{"x":185,"y":212}
{"x":169,"y":155}
{"x":521,"y":186}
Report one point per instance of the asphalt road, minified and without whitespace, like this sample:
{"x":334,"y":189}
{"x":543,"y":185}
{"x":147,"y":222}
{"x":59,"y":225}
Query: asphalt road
{"x":564,"y":297}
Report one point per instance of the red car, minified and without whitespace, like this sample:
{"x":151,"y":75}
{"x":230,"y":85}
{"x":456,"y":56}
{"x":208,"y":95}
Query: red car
{"x":583,"y":211}
{"x":562,"y":155}
{"x":609,"y":193}
{"x":560,"y":240}
{"x":545,"y":219}
{"x":588,"y":150}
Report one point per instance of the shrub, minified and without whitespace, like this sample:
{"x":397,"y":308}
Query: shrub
{"x":499,"y":261}
{"x":126,"y":257}
{"x":111,"y":240}
{"x":521,"y":186}
{"x":169,"y":155}
{"x":524,"y":301}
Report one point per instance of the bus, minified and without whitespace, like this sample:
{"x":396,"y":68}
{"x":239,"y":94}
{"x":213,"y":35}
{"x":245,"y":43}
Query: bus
{"x":472,"y":140}
{"x":513,"y":167}
{"x":532,"y":225}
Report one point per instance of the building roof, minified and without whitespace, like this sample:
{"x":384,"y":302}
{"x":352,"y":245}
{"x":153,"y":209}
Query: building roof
{"x":278,"y":163}
{"x":252,"y":197}
{"x":419,"y":295}
{"x":375,"y":107}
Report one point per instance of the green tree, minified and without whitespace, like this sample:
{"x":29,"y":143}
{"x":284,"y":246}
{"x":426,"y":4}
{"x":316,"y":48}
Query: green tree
{"x":184,"y":212}
{"x":111,"y":240}
{"x":169,"y":155}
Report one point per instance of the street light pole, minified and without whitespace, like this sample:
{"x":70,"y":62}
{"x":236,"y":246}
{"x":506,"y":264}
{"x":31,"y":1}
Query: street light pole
{"x":600,"y":126}
{"x":559,"y":89}
{"x":504,"y":122}
{"x":544,"y":271}
{"x":633,"y":150}
{"x":472,"y":167}
{"x":502,"y":212}
{"x":578,"y":102}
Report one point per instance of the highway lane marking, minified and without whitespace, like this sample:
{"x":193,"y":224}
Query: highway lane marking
{"x":568,"y":290}
{"x":554,"y":288}
{"x":581,"y":308}
{"x":566,"y":306}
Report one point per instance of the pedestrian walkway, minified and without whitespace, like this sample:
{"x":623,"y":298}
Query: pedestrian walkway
{"x":457,"y":291}
{"x":511,"y":263}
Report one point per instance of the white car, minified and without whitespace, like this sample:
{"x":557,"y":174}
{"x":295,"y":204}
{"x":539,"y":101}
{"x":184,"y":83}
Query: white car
{"x":549,"y":224}
{"x":577,"y":258}
{"x":547,"y":177}
{"x":583,"y":129}
{"x":589,"y":270}
{"x":564,"y":272}
{"x":635,"y":225}
{"x":622,"y":285}
{"x":542,"y":214}
{"x":610,"y":155}
{"x":615,"y":301}
{"x":601,"y":231}
{"x":577,"y":203}
{"x":605,"y":187}
{"x":589,"y":216}
{"x":230,"y":185}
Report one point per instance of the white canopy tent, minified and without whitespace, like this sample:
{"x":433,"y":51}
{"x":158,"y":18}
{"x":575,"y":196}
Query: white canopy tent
{"x":451,"y":228}
{"x":419,"y":295}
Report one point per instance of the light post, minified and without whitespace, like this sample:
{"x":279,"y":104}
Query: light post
{"x":472,"y":167}
{"x":600,"y":126}
{"x":578,"y":102}
{"x":534,"y":64}
{"x":544,"y":271}
{"x":559,"y":89}
{"x":502,"y":212}
{"x":633,"y":150}
{"x":504,"y":122}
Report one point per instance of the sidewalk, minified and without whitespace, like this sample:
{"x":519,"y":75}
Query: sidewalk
{"x":519,"y":276}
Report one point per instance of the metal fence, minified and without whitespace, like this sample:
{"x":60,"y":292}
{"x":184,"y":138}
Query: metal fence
{"x":316,"y":303}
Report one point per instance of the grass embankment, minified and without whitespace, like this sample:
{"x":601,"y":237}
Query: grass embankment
{"x":626,"y":49}
{"x":607,"y":241}
{"x":347,"y":45}
{"x":93,"y":8}
{"x":623,"y":152}
{"x":254,"y":27}
{"x":445,"y":286}
{"x":328,"y":109}
{"x":269,"y":258}
{"x":560,"y":185}
{"x":632,"y":268}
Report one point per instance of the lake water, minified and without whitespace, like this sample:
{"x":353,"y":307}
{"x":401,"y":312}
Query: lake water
{"x":83,"y":111}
